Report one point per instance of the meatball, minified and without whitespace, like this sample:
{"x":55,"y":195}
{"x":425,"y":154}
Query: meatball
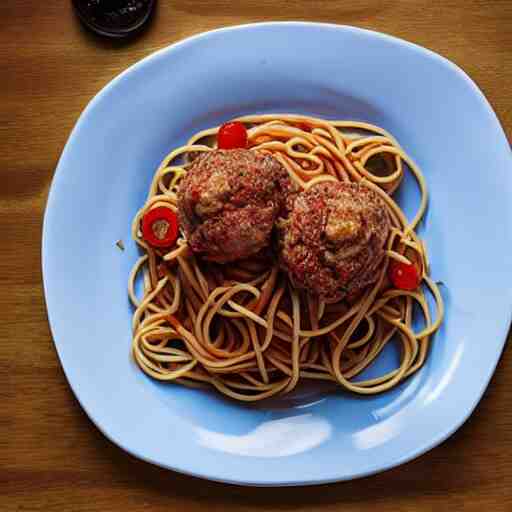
{"x":334,"y":239}
{"x":228,"y":202}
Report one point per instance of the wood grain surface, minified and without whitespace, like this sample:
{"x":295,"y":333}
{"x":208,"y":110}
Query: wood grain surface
{"x":51,"y":456}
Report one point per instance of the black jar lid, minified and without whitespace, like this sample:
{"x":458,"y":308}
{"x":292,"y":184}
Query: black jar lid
{"x":114,"y":18}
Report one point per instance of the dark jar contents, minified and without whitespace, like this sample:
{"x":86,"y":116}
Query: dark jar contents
{"x":116,"y":18}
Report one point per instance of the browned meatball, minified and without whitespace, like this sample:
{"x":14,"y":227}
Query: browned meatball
{"x":333,"y":241}
{"x":228,"y":202}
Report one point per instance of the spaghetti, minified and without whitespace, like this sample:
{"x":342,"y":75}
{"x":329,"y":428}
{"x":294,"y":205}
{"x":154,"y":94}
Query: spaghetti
{"x":242,"y":328}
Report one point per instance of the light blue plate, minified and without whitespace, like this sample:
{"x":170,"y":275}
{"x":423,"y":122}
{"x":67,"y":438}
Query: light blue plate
{"x":314,"y":436}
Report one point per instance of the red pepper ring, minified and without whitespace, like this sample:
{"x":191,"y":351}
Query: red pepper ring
{"x":160,"y":227}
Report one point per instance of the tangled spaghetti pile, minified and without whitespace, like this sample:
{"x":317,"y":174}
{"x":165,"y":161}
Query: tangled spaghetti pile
{"x":242,"y":328}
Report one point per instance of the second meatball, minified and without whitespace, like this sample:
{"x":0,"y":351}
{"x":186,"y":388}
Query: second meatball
{"x":333,"y":241}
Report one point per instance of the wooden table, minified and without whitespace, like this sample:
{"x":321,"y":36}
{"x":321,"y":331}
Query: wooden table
{"x":51,"y":456}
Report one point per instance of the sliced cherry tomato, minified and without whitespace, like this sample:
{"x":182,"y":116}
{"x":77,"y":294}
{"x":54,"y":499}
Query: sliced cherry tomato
{"x":160,"y":227}
{"x":404,"y":276}
{"x":232,"y":135}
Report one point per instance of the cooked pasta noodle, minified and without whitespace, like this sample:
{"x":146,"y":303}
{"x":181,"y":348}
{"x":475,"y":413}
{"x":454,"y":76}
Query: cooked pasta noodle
{"x":242,"y":328}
